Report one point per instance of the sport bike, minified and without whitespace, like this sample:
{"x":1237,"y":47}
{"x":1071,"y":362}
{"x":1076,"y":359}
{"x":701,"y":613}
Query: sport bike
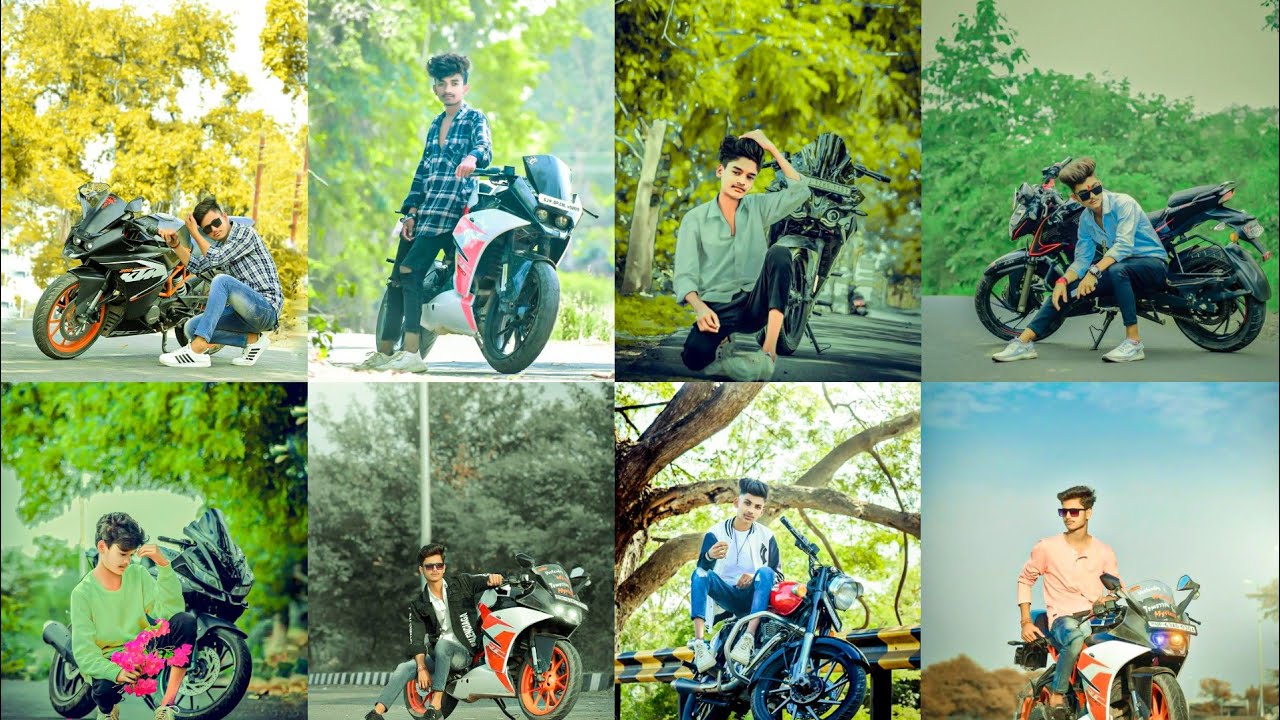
{"x":801,"y":669}
{"x":501,"y":287}
{"x":816,"y":231}
{"x":1216,"y":292}
{"x":1128,"y":669}
{"x":857,"y":304}
{"x":215,"y":580}
{"x":525,"y":652}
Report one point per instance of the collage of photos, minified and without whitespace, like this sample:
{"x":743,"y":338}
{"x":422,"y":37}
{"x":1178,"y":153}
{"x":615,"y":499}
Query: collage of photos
{"x":639,"y":360}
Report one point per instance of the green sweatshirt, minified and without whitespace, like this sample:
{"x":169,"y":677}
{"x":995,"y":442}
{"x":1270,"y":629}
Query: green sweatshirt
{"x":102,"y":621}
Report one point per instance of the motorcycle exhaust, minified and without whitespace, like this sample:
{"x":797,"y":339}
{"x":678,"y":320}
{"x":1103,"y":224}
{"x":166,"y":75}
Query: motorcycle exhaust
{"x":718,"y":686}
{"x":58,"y":636}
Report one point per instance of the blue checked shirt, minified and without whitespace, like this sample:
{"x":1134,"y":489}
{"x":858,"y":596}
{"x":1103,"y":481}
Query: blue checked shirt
{"x":438,"y":195}
{"x":1126,"y":232}
{"x":243,"y":256}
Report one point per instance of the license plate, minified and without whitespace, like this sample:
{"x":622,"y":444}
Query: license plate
{"x":1172,"y":626}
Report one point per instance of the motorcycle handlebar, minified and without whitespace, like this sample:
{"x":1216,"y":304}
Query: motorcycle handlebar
{"x":871,"y":174}
{"x":175,"y":541}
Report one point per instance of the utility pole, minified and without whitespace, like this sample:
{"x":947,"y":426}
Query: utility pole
{"x":424,"y":461}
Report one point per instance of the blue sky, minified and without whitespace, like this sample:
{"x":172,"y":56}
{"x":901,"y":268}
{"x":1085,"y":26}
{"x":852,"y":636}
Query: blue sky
{"x":1186,"y":477}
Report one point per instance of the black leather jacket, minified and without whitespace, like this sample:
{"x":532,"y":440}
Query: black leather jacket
{"x":463,"y":594}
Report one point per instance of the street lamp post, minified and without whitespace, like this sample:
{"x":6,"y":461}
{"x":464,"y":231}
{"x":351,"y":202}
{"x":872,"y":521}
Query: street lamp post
{"x":1262,"y":673}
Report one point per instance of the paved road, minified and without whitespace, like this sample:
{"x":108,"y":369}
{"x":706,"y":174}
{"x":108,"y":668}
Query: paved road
{"x":957,"y":348}
{"x":20,"y":700}
{"x":458,"y":358}
{"x":884,"y":346}
{"x":351,"y":703}
{"x":134,"y":359}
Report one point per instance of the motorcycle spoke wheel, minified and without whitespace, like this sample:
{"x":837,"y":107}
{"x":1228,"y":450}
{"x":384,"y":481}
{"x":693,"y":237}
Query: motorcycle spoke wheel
{"x":543,"y":697}
{"x":203,"y":688}
{"x":835,"y":689}
{"x":65,"y":333}
{"x":1006,"y":312}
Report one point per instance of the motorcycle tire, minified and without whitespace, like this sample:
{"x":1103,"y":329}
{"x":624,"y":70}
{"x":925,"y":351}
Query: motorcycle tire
{"x":773,"y":674}
{"x":991,"y":291}
{"x":555,"y":697}
{"x":426,"y":338}
{"x":47,"y":323}
{"x":238,"y":682}
{"x":1214,"y":334}
{"x":416,"y":702}
{"x":1167,"y":700}
{"x":542,"y":290}
{"x":68,"y":692}
{"x":796,"y":318}
{"x":702,"y":711}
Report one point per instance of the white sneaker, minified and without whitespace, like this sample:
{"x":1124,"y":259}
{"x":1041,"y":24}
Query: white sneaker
{"x":742,"y":367}
{"x":405,"y":361}
{"x":743,"y":649}
{"x":1017,"y":350}
{"x":373,"y":361}
{"x":1126,"y":351}
{"x":703,"y":658}
{"x":185,"y":358}
{"x":253,"y":351}
{"x":113,"y":715}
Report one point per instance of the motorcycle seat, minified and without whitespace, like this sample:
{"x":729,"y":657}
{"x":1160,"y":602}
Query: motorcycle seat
{"x":1199,"y":193}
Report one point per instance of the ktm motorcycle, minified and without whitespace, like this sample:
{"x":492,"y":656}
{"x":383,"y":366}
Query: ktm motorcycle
{"x":857,"y":304}
{"x":128,"y":282}
{"x":216,"y":579}
{"x":502,"y":288}
{"x":815,"y":232}
{"x":525,"y":652}
{"x":1128,"y":669}
{"x":800,"y":668}
{"x":1216,"y":292}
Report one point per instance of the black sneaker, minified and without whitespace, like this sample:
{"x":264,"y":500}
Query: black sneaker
{"x":432,"y":714}
{"x":374,"y":715}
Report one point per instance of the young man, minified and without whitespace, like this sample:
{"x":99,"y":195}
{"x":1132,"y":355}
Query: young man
{"x":444,"y":622}
{"x":1134,"y":262}
{"x":244,"y":301}
{"x":458,"y":142}
{"x":725,"y":269}
{"x":737,"y":568}
{"x":1071,"y":564}
{"x":115,"y":602}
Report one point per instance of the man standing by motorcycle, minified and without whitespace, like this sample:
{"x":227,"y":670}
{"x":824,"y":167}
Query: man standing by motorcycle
{"x":111,"y":605}
{"x":244,"y":301}
{"x":1134,"y":261}
{"x":443,"y":620}
{"x":737,"y":568}
{"x":458,"y":142}
{"x":725,"y":269}
{"x":1072,"y":564}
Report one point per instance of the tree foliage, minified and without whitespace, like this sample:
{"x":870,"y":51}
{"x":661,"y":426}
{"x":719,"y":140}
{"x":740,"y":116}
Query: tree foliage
{"x":33,"y":590}
{"x":284,"y":44}
{"x":1268,"y":597}
{"x":960,"y":688}
{"x":992,"y":124}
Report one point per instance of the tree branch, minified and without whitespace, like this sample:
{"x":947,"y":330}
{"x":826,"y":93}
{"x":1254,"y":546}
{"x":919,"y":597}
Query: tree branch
{"x":824,"y":469}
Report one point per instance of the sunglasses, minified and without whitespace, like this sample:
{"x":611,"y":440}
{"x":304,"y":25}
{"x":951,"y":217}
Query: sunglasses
{"x":1073,"y":512}
{"x":432,"y":566}
{"x":1087,"y":193}
{"x":216,"y":223}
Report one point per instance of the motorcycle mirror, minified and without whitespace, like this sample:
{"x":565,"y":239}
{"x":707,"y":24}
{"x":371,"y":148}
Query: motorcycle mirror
{"x":1110,"y":582}
{"x":577,"y":572}
{"x":1219,"y":226}
{"x":138,"y":206}
{"x":1186,"y":583}
{"x":524,"y":560}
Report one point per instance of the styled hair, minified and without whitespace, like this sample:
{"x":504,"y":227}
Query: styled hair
{"x":1084,"y":494}
{"x":751,"y":486}
{"x":442,"y":66}
{"x":732,"y":148}
{"x":429,"y":550}
{"x":203,"y":207}
{"x":1077,"y":171}
{"x":121,"y":530}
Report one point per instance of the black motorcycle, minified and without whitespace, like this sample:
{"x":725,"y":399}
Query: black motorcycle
{"x":1216,"y":293}
{"x":800,"y":669}
{"x":857,"y":303}
{"x":129,"y":282}
{"x":215,"y":581}
{"x":816,"y":231}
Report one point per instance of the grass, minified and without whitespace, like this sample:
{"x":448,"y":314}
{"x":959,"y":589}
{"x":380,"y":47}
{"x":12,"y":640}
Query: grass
{"x":586,"y":308}
{"x":650,"y":316}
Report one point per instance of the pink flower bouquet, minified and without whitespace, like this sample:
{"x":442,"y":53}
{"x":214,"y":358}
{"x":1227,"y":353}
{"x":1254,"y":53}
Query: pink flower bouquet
{"x":149,"y":664}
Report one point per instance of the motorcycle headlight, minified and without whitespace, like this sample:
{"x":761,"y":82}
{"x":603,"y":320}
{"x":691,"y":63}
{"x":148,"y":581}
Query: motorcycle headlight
{"x":542,"y":215}
{"x":1018,"y":214}
{"x":844,"y":591}
{"x":1171,"y":642}
{"x":562,"y":222}
{"x":568,"y":612}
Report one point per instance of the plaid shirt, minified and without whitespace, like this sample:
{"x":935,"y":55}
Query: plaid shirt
{"x":244,"y":257}
{"x":436,"y":193}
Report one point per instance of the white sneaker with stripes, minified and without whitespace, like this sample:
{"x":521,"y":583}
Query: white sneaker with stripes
{"x":253,"y":351}
{"x":185,"y":357}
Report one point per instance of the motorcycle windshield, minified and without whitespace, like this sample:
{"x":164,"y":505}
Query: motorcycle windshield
{"x":1156,"y":600}
{"x":210,"y":530}
{"x":549,"y":176}
{"x":100,"y":208}
{"x":556,"y":580}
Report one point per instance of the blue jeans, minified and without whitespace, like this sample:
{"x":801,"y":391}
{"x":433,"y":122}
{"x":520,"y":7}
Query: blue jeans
{"x":1067,"y":636}
{"x":234,"y":310}
{"x":442,"y":656}
{"x":1123,"y":281}
{"x":739,"y":601}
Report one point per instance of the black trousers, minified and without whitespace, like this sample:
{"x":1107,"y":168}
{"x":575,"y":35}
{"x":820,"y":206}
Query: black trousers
{"x":404,"y":289}
{"x":182,"y":631}
{"x":746,"y":312}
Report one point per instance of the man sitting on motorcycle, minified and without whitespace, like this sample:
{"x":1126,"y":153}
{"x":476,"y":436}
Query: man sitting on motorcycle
{"x":1071,"y":563}
{"x":443,"y":619}
{"x":737,"y":568}
{"x":114,"y":602}
{"x":458,"y":142}
{"x":725,"y":269}
{"x":244,"y":301}
{"x":1134,"y":261}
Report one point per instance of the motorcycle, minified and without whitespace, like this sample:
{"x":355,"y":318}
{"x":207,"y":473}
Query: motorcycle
{"x":215,"y":580}
{"x":857,"y":304}
{"x":502,"y":289}
{"x":1216,"y":293}
{"x":128,"y":282}
{"x":816,"y":231}
{"x":1129,"y":667}
{"x":800,"y":668}
{"x":525,"y":653}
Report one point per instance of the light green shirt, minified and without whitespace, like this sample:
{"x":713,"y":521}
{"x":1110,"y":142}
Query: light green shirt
{"x":102,"y":621}
{"x":718,"y":265}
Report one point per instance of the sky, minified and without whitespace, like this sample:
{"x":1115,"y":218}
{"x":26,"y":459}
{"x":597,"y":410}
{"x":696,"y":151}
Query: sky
{"x":1185,"y":475}
{"x":1214,"y":52}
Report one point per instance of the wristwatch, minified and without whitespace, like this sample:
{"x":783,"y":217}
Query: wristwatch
{"x":1093,"y":270}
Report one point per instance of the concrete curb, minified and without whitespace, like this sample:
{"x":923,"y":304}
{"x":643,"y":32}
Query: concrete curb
{"x":591,"y":682}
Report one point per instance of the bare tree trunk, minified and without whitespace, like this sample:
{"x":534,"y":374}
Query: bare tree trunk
{"x":638,"y":275}
{"x":257,"y":180}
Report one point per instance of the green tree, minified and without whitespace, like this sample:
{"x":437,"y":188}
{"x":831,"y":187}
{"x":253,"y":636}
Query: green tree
{"x":1268,"y":597}
{"x":284,"y":44}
